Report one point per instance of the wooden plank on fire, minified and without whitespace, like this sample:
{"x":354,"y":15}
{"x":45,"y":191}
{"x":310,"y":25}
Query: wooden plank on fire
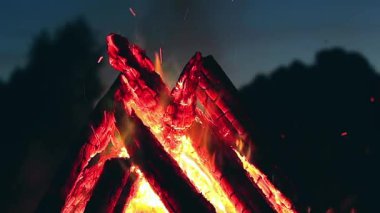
{"x":127,"y":192}
{"x":220,"y":99}
{"x":163,"y":173}
{"x":226,"y":167}
{"x":82,"y":153}
{"x":109,"y":188}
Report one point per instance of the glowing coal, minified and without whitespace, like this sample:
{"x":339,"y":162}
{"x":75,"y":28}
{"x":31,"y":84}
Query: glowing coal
{"x":173,"y":156}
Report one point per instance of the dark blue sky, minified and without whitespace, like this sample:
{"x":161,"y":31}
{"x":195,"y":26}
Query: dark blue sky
{"x":245,"y":36}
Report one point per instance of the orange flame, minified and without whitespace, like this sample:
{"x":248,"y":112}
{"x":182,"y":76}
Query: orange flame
{"x":189,"y":161}
{"x":145,"y":200}
{"x":146,"y":103}
{"x":278,"y":201}
{"x":158,"y":64}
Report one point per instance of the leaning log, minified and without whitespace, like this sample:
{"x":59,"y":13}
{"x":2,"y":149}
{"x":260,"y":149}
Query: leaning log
{"x":163,"y":173}
{"x":144,"y":85}
{"x":109,"y":188}
{"x":227,"y":167}
{"x":127,"y":193}
{"x":220,"y":99}
{"x":83,"y":159}
{"x":230,"y":123}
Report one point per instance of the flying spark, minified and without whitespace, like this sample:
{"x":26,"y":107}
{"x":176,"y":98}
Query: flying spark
{"x":132,"y":11}
{"x":100,"y":59}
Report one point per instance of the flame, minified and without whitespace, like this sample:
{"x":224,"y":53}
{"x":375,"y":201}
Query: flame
{"x":199,"y":174}
{"x":145,"y":200}
{"x":158,"y":64}
{"x":246,"y":152}
{"x":278,"y":201}
{"x":180,"y":147}
{"x":150,"y":106}
{"x":123,"y":153}
{"x":189,"y":161}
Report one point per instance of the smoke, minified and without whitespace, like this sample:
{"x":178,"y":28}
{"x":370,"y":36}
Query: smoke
{"x":179,"y":27}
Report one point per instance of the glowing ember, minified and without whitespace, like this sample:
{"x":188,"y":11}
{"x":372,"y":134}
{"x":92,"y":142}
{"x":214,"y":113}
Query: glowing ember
{"x":100,"y":59}
{"x":278,"y":201}
{"x":132,"y":11}
{"x":343,"y":134}
{"x":198,"y":173}
{"x":145,"y":200}
{"x":148,"y":122}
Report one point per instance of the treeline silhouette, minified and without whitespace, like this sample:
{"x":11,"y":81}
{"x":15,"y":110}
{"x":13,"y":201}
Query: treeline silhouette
{"x":316,"y":127}
{"x":317,"y":130}
{"x":44,"y":106}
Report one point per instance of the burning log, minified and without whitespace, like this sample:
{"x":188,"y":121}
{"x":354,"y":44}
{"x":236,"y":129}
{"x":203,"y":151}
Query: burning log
{"x":215,"y":99}
{"x":230,"y":123}
{"x":142,"y":82}
{"x":139,"y":105}
{"x":203,"y":79}
{"x":220,"y":99}
{"x":126,"y":193}
{"x":109,"y":188}
{"x":180,"y":113}
{"x":163,"y":173}
{"x":94,"y":140}
{"x":228,"y":169}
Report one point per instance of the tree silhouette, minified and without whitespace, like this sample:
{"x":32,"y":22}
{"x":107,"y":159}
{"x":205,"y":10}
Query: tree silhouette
{"x":317,"y":127}
{"x":46,"y":104}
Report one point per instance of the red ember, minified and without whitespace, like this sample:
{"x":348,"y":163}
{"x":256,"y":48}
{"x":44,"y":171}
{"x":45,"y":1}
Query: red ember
{"x":181,"y":158}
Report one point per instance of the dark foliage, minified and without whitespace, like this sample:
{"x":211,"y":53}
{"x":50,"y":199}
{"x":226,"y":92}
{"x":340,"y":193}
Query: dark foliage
{"x":317,"y":129}
{"x":44,"y":106}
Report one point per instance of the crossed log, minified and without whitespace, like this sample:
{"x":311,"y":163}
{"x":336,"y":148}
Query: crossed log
{"x":100,"y":178}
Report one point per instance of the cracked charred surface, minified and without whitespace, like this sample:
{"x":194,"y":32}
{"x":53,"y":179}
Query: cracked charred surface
{"x":140,"y":120}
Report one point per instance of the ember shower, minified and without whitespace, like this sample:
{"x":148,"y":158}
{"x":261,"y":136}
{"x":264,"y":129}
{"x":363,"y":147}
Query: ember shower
{"x":151,"y":150}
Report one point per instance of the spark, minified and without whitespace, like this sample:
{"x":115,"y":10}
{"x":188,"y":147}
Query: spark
{"x":132,"y":11}
{"x":372,"y":99}
{"x":100,"y":59}
{"x":343,"y":134}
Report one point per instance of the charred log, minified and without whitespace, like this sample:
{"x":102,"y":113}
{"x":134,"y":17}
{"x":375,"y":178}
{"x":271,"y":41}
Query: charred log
{"x":126,"y":193}
{"x":142,"y":81}
{"x":226,"y":167}
{"x":109,"y":188}
{"x":163,"y":173}
{"x":114,"y":124}
{"x":220,"y":98}
{"x":74,"y":164}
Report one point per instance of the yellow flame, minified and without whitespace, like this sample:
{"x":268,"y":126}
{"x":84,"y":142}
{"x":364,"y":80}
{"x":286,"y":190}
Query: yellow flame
{"x":158,"y":65}
{"x":278,"y":201}
{"x":199,"y":175}
{"x":189,"y":161}
{"x":240,"y":146}
{"x":145,"y":200}
{"x":123,"y":153}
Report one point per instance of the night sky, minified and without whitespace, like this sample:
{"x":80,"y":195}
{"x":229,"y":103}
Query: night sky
{"x":245,"y":36}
